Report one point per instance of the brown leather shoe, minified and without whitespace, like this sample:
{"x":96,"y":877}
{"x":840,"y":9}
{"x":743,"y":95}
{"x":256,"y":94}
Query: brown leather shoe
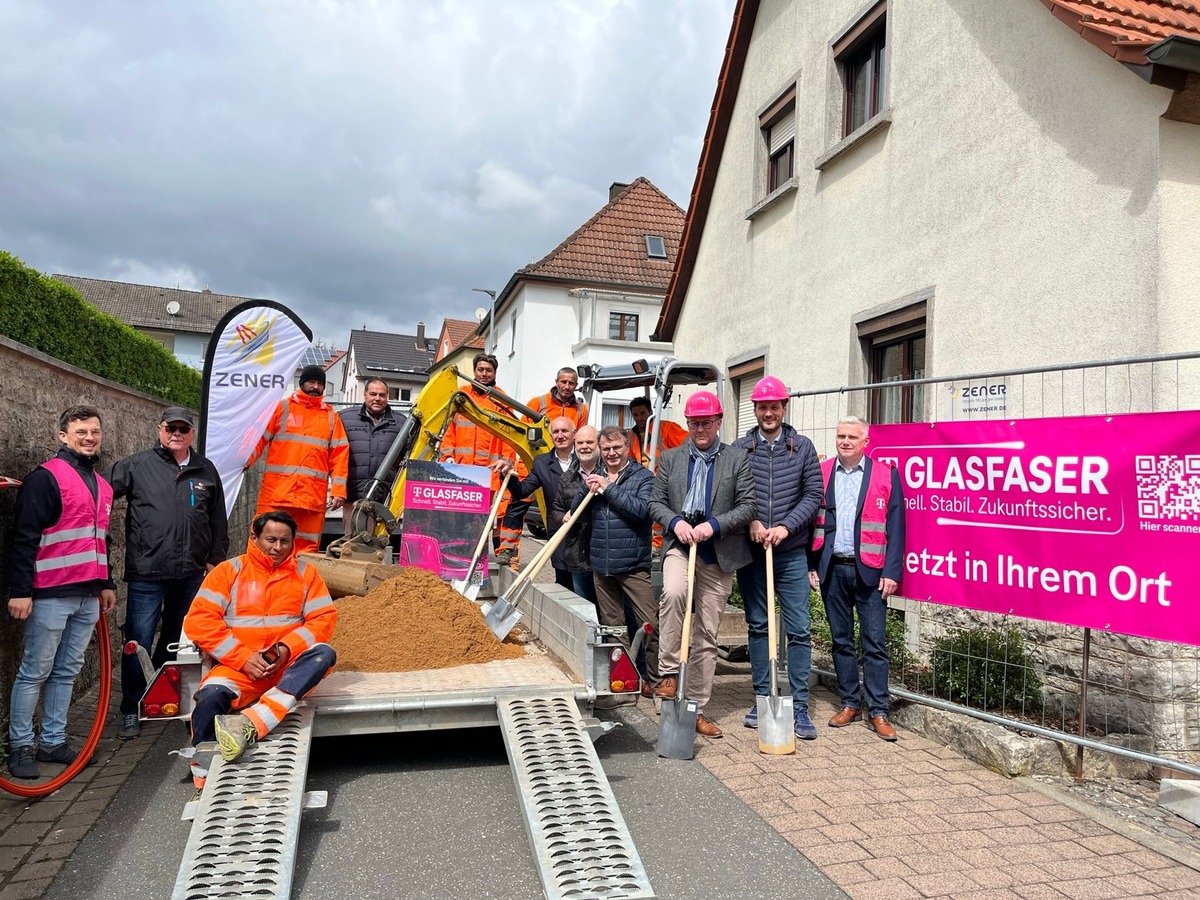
{"x":882,"y":727}
{"x":845,"y":716}
{"x":647,"y":691}
{"x":708,"y":728}
{"x":667,"y":687}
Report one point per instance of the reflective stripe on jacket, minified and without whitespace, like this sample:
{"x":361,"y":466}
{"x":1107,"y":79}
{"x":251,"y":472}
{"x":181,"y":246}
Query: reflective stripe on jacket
{"x":466,"y":443}
{"x":74,"y":548}
{"x":306,"y":451}
{"x":872,"y":537}
{"x":246,"y":605}
{"x":552,"y":408}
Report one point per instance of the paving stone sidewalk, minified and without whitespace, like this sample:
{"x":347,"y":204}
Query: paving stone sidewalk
{"x":913,"y":819}
{"x":38,"y":836}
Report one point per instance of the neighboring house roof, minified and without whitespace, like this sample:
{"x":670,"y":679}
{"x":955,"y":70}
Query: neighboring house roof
{"x":1125,"y":29}
{"x":378,"y":353}
{"x":145,"y":306}
{"x":609,"y":249}
{"x":318,"y":355}
{"x":463,"y":332}
{"x":333,"y":360}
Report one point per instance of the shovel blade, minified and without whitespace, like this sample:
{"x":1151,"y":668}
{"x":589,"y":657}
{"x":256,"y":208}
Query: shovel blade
{"x":677,"y":728}
{"x":469,"y":589}
{"x":501,"y":617}
{"x":776,"y":726}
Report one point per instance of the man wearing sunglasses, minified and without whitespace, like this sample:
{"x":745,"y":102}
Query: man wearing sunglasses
{"x":175,"y":531}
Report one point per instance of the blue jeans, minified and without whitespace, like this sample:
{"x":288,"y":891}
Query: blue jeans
{"x":56,"y":635}
{"x":792,"y":590}
{"x":584,"y":586}
{"x":147,"y":602}
{"x":845,"y":593}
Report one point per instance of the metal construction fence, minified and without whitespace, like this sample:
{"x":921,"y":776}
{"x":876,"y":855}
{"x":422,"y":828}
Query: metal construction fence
{"x":1135,"y":697}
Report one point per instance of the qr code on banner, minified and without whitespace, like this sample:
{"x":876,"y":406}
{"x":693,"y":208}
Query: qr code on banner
{"x":1168,"y":487}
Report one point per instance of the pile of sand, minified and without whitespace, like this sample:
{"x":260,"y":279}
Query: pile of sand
{"x":414,"y":621}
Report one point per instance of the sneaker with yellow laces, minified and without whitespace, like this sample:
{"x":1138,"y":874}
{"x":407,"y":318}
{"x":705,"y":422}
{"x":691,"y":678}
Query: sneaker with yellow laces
{"x":235,"y":735}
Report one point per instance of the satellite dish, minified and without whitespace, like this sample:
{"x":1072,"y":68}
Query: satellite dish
{"x":173,"y":308}
{"x":480,"y":313}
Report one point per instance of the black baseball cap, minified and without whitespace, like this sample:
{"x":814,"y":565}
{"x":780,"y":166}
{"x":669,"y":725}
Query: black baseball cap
{"x":178,"y":414}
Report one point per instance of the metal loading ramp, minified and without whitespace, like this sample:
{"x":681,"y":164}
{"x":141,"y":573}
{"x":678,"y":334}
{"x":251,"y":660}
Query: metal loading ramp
{"x":583,"y":848}
{"x":243,"y":839}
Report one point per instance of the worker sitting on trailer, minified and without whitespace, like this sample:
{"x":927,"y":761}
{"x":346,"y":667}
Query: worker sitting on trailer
{"x":267,"y":619}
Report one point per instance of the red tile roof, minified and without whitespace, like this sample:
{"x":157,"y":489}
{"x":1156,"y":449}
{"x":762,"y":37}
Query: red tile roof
{"x":610,"y":247}
{"x":1125,"y":29}
{"x":462,"y":332}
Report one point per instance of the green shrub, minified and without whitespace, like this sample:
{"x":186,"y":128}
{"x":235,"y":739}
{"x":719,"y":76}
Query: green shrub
{"x":51,"y":317}
{"x":986,"y":668}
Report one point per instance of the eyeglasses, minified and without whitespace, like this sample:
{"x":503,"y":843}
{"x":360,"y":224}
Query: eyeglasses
{"x":177,"y":429}
{"x":703,"y":424}
{"x":609,"y":451}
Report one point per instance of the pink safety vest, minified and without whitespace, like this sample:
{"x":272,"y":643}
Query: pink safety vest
{"x":872,"y":537}
{"x":73,"y":549}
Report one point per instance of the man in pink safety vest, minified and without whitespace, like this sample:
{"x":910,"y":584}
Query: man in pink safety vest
{"x":857,"y":561}
{"x":59,"y":584}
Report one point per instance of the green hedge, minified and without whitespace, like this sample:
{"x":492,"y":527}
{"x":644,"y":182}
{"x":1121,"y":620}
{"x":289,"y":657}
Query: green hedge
{"x":51,"y":317}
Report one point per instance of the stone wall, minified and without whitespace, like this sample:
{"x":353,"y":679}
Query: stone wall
{"x":34,"y":390}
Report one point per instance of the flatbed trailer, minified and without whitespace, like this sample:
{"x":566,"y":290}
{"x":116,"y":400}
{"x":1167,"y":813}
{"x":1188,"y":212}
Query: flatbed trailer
{"x":246,"y":823}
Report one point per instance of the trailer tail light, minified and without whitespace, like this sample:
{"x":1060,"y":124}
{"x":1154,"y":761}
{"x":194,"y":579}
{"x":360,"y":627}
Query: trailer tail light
{"x":623,"y":676}
{"x":162,"y":697}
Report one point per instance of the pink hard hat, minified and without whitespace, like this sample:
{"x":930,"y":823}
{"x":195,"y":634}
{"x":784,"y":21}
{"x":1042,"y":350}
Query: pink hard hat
{"x":769,"y":388}
{"x":702,"y":403}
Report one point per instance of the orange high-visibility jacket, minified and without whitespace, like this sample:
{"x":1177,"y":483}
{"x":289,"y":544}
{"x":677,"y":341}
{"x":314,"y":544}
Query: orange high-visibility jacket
{"x":552,"y":408}
{"x":306,"y":450}
{"x":670,"y":436}
{"x":465,"y":442}
{"x":246,"y":604}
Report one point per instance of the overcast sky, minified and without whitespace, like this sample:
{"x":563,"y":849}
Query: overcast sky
{"x":367,"y":163}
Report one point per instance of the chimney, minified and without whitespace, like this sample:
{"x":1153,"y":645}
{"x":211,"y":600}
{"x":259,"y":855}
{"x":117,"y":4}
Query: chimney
{"x":420,"y":335}
{"x":615,"y":188}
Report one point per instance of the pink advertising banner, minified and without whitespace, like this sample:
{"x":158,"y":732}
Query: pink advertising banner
{"x":1091,"y":521}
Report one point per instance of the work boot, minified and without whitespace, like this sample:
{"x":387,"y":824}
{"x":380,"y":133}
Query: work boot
{"x":667,"y":687}
{"x":708,"y":728}
{"x":235,"y":735}
{"x":805,"y":730}
{"x":61,"y":753}
{"x":504,"y":558}
{"x":21,"y":764}
{"x":750,"y":720}
{"x":130,"y":727}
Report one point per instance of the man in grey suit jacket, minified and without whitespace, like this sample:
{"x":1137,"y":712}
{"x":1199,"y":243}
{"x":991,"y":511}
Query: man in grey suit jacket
{"x":703,"y":495}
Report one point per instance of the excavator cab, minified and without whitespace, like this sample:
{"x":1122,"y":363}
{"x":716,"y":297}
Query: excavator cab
{"x":657,"y":380}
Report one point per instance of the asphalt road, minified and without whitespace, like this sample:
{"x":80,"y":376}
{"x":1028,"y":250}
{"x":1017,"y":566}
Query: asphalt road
{"x":435,"y":815}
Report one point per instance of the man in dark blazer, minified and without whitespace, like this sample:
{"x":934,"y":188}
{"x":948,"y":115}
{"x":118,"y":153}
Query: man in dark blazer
{"x":703,"y":495}
{"x":857,"y":562}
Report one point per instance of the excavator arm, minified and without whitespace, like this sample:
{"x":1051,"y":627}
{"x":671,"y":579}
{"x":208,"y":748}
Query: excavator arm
{"x":378,"y":515}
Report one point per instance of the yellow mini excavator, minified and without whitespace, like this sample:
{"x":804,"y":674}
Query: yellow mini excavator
{"x":354,"y":564}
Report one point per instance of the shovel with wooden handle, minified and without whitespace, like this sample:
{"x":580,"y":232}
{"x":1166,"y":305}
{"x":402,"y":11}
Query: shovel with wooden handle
{"x":502,"y":615}
{"x":776,"y":718}
{"x":677,"y":717}
{"x":469,"y":586}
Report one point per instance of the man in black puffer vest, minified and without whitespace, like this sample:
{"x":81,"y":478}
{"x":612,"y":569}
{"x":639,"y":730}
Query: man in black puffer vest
{"x":370,"y":430}
{"x":620,"y":545}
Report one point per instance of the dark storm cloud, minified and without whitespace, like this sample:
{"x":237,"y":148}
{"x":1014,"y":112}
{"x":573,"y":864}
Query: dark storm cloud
{"x":368,"y":163}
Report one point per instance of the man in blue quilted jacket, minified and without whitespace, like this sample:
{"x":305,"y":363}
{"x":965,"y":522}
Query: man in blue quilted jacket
{"x":788,"y":489}
{"x":620,"y":544}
